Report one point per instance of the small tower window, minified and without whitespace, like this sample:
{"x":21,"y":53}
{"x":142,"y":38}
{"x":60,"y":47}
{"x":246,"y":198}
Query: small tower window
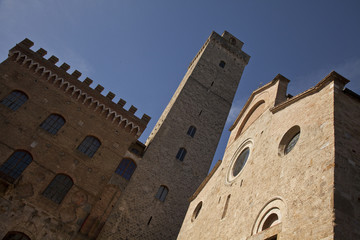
{"x":191,"y":132}
{"x":89,"y":146}
{"x":53,"y":123}
{"x":222,"y":64}
{"x":58,"y":188}
{"x":126,"y":168}
{"x":162,"y":192}
{"x":15,"y":165}
{"x":181,"y":154}
{"x":14,"y":100}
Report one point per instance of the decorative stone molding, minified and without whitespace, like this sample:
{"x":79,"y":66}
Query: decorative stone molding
{"x":75,"y":92}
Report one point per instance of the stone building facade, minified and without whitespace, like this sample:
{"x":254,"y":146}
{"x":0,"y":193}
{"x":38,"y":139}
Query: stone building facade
{"x":71,"y":166}
{"x":291,"y":169}
{"x":60,"y":143}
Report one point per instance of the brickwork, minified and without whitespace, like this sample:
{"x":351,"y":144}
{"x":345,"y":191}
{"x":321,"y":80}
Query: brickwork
{"x":203,"y":99}
{"x":297,"y":187}
{"x":50,"y":89}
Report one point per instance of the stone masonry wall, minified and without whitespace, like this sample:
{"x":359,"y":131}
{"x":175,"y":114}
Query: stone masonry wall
{"x":347,"y":165}
{"x":300,"y":183}
{"x":22,"y":205}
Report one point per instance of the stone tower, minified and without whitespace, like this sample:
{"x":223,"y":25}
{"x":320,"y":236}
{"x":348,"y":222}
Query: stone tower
{"x":181,"y":146}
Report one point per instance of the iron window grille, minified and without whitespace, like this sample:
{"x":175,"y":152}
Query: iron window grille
{"x":58,"y":188}
{"x":89,"y":146}
{"x":15,"y":165}
{"x":14,"y":100}
{"x":126,"y":168}
{"x":53,"y":123}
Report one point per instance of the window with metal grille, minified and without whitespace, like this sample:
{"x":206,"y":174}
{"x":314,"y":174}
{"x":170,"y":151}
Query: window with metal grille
{"x":53,"y":123}
{"x":58,"y":188}
{"x":162,"y":192}
{"x":14,"y":100}
{"x":191,"y":132}
{"x":89,"y":146}
{"x":15,"y":165}
{"x":126,"y":168}
{"x":181,"y":154}
{"x":16,"y":236}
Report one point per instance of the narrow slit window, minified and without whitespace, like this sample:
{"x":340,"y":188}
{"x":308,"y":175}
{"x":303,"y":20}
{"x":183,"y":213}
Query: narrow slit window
{"x":226,"y":206}
{"x":191,"y":132}
{"x":149,"y":221}
{"x":162,"y":193}
{"x":181,"y":154}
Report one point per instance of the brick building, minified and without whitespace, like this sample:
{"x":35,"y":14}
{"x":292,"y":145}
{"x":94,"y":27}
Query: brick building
{"x":71,"y":166}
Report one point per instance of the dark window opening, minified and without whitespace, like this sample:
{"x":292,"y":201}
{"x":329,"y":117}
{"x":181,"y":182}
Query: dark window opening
{"x":16,"y":236}
{"x":191,"y":132}
{"x":270,"y":221}
{"x":162,"y":192}
{"x":15,"y":165}
{"x":149,"y":221}
{"x":181,"y":154}
{"x":53,"y":123}
{"x":135,"y":151}
{"x":126,"y":168}
{"x":58,"y":188}
{"x":222,"y":64}
{"x":14,"y":100}
{"x":89,"y":146}
{"x":272,"y":238}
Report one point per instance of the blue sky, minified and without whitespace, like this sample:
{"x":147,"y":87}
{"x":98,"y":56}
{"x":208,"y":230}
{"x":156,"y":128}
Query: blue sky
{"x":140,"y":50}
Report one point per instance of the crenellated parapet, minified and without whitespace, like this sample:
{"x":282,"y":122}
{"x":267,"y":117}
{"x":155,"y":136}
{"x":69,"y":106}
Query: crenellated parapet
{"x":228,"y":42}
{"x":76,"y":89}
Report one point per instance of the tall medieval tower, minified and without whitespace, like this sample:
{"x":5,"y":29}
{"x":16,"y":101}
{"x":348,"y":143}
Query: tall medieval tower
{"x":181,"y":146}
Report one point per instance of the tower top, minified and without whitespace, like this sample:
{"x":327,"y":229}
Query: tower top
{"x":226,"y":41}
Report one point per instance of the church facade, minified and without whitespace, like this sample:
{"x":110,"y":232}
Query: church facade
{"x":71,"y":165}
{"x":291,"y":169}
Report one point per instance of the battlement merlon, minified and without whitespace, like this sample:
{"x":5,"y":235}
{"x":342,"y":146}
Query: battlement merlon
{"x":37,"y":59}
{"x":228,"y":42}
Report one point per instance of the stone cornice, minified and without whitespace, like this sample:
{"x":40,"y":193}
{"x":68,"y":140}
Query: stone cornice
{"x":333,"y":76}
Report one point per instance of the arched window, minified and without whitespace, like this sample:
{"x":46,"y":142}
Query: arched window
{"x":53,"y":123}
{"x":191,"y":132}
{"x":14,"y":100}
{"x":162,"y":192}
{"x":16,"y":236}
{"x":126,"y":168}
{"x":58,"y":188}
{"x":89,"y":146}
{"x":15,"y":165}
{"x":181,"y":154}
